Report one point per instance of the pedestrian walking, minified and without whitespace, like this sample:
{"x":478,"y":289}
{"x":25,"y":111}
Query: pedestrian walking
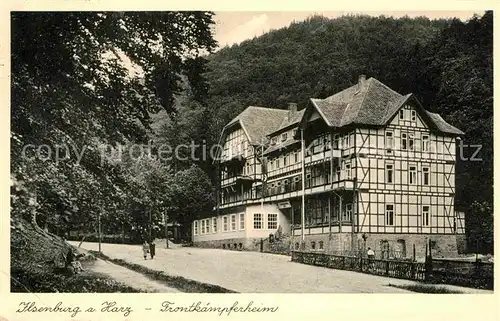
{"x":152,"y":247}
{"x":371,"y":255}
{"x":145,"y":249}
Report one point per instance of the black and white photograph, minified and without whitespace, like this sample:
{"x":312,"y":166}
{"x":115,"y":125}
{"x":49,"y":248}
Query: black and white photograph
{"x":251,"y":152}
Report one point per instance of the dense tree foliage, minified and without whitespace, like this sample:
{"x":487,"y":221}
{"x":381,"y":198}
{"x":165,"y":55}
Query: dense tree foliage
{"x":84,"y":83}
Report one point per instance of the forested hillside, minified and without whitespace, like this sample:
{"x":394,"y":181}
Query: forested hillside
{"x":447,"y":64}
{"x":65,"y":94}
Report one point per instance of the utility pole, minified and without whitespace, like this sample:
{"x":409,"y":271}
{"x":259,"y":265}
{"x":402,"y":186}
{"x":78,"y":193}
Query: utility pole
{"x":99,"y":228}
{"x":165,"y":220}
{"x":303,"y":212}
{"x":150,"y":223}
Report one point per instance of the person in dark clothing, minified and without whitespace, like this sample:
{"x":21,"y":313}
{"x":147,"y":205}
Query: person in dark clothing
{"x":152,"y":246}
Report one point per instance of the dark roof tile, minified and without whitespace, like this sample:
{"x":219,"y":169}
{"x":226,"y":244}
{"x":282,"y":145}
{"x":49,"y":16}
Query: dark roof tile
{"x":259,"y":121}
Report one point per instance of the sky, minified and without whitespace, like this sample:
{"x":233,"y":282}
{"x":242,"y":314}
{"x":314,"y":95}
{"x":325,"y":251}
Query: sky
{"x":235,"y":27}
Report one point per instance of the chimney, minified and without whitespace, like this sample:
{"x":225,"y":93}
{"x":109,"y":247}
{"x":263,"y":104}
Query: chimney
{"x":292,"y":109}
{"x":361,"y":83}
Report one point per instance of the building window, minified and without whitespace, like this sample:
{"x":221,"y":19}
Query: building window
{"x":389,"y":140}
{"x":411,"y":142}
{"x":257,"y":221}
{"x":389,"y":173}
{"x":404,"y":141}
{"x":272,"y":221}
{"x":425,"y":216}
{"x":284,"y":137}
{"x":347,"y":215}
{"x":207,"y":226}
{"x":233,"y":222}
{"x":278,"y":162}
{"x":280,"y":187}
{"x":345,"y":142}
{"x":401,"y":114}
{"x":413,"y":115}
{"x":413,"y":175}
{"x":242,"y":221}
{"x":426,"y":175}
{"x":225,"y":226}
{"x":273,"y":141}
{"x":202,"y":226}
{"x":347,"y":167}
{"x":214,"y":225}
{"x":425,"y":143}
{"x":335,"y":141}
{"x":285,"y":158}
{"x":389,"y":215}
{"x":195,"y":227}
{"x":296,"y":155}
{"x":296,"y":245}
{"x":320,"y":243}
{"x":313,"y":245}
{"x":295,"y":132}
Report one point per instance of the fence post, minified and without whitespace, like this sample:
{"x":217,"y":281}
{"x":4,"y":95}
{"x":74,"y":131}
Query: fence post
{"x":414,"y":253}
{"x":343,"y":262}
{"x":387,"y":267}
{"x":428,"y":263}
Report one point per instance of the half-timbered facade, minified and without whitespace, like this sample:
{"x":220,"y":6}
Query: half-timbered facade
{"x":366,"y":167}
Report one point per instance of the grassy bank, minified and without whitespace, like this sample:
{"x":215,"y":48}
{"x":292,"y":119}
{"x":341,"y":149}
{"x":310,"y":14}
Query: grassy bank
{"x":46,"y":282}
{"x":424,"y":288}
{"x":37,"y":261}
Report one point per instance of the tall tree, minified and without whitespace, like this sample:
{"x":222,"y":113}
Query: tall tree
{"x":84,"y":79}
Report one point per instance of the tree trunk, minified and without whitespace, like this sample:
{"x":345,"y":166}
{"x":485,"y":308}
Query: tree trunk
{"x":33,"y":217}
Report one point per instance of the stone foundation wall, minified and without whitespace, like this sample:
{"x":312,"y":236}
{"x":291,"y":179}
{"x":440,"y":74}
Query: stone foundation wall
{"x":281,"y":246}
{"x":245,"y":244}
{"x":388,"y":245}
{"x":461,"y":243}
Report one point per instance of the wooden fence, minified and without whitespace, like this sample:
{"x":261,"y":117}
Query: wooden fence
{"x":441,"y":271}
{"x":390,"y":268}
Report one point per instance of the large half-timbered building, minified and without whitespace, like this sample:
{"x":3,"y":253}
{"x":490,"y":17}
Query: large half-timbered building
{"x":366,"y":167}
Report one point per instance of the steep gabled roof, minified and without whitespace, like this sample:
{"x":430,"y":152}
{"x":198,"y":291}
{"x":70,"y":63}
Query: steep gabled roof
{"x":442,"y":125}
{"x":258,"y":121}
{"x":371,"y":103}
{"x":287,"y":122}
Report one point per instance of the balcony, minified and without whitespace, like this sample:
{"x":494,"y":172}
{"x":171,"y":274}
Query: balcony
{"x":322,"y":156}
{"x":233,"y":160}
{"x":238,"y":179}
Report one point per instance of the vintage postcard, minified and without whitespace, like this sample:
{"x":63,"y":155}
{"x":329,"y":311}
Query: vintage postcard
{"x":203,"y":163}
